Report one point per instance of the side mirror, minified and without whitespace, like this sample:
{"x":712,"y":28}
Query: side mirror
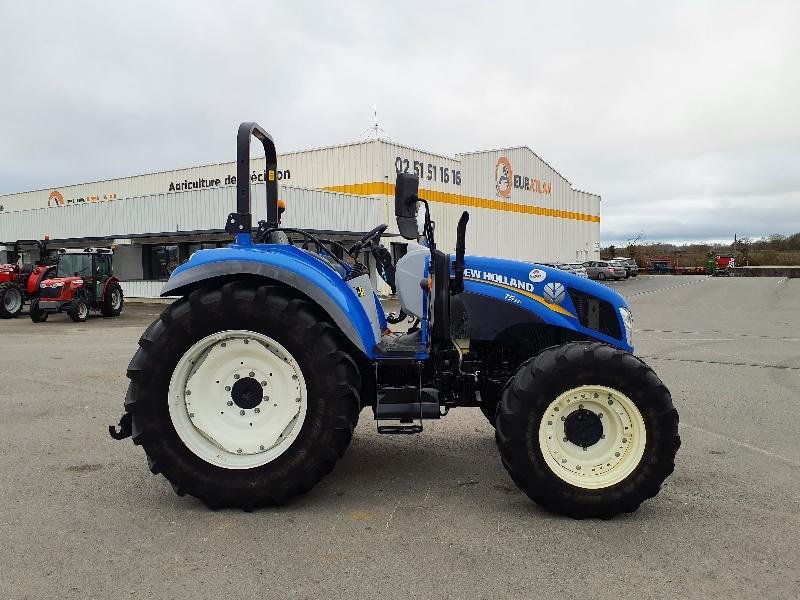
{"x":405,"y":205}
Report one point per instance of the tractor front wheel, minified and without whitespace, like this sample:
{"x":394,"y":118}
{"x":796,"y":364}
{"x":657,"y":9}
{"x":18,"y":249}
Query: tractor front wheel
{"x":587,"y":430}
{"x":11,"y":300}
{"x":78,"y":310}
{"x":243,"y":395}
{"x":37,"y":314}
{"x":113,"y":301}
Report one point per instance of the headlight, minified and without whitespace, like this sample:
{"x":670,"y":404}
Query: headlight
{"x":627,"y":320}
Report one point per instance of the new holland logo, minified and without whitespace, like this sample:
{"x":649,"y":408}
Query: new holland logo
{"x":503,"y":177}
{"x":554,"y":293}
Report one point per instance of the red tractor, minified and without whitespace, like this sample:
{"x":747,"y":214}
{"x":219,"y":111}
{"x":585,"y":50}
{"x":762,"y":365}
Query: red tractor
{"x":19,"y":281}
{"x":83,"y":282}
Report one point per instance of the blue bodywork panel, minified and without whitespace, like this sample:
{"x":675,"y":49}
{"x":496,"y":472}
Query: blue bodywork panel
{"x":536,"y":288}
{"x":298,"y":268}
{"x":528,"y":285}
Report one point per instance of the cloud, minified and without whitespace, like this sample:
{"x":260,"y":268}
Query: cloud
{"x":683,"y":116}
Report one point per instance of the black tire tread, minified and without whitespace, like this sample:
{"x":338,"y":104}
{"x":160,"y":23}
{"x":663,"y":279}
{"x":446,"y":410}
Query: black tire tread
{"x":523,"y":400}
{"x":340,"y":421}
{"x":4,"y":314}
{"x":106,"y":309}
{"x":35,"y":313}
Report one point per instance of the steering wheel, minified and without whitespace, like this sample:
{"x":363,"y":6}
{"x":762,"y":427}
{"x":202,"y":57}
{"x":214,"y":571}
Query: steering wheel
{"x":366,"y":240}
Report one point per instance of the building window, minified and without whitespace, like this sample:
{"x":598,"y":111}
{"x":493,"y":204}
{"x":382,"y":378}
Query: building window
{"x":399,"y":250}
{"x":160,"y":261}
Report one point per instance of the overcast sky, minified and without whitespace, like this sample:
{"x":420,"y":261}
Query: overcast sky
{"x":684,"y":116}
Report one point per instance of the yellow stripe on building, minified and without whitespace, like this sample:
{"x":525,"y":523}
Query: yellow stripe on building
{"x":387,"y":189}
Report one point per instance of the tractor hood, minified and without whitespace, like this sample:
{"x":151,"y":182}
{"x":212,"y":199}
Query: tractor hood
{"x":60,"y":281}
{"x":558,"y":297}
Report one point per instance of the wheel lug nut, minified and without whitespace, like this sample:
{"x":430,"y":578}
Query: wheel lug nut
{"x":251,"y":373}
{"x":188,"y":392}
{"x":246,"y":341}
{"x":261,"y":447}
{"x":227,"y":388}
{"x":223,"y":344}
{"x":256,"y":410}
{"x":241,"y":412}
{"x":230,"y":402}
{"x":263,"y":383}
{"x":236,"y":376}
{"x":580,"y":406}
{"x":239,"y":451}
{"x":565,"y":439}
{"x":297,"y":399}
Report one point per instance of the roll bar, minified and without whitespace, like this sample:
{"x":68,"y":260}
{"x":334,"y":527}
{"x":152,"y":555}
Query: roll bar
{"x":241,"y":222}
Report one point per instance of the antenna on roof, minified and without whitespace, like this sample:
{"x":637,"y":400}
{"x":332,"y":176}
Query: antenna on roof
{"x":375,"y":131}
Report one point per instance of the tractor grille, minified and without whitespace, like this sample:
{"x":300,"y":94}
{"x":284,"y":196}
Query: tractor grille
{"x":50,"y":292}
{"x":595,"y":313}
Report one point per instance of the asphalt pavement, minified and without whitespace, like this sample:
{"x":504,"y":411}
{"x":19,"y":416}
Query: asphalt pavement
{"x":429,"y":516}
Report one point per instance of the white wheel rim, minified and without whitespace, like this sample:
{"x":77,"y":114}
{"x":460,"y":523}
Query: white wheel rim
{"x":608,"y":461}
{"x":211,"y":422}
{"x":115,"y":300}
{"x":12,"y":300}
{"x":83,"y":311}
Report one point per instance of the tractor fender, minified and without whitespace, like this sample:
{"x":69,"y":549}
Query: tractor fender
{"x":108,"y":282}
{"x":39,"y":275}
{"x":287,"y":265}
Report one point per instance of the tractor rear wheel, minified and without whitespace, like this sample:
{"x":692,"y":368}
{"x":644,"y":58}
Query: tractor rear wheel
{"x":587,"y":430}
{"x":243,"y":395}
{"x":113,"y":301}
{"x":37,"y":314}
{"x":78,"y":310}
{"x":11,"y":299}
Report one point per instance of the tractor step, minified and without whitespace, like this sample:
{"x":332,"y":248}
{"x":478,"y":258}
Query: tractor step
{"x":407,"y":404}
{"x":400,"y":429}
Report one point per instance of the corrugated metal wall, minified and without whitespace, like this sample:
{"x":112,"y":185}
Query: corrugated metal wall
{"x":200,"y":210}
{"x":542,"y":218}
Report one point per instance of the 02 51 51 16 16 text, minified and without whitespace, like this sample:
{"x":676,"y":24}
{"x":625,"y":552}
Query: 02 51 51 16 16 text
{"x":427,"y":171}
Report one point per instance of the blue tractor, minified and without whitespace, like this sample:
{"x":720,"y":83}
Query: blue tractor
{"x":245,"y":391}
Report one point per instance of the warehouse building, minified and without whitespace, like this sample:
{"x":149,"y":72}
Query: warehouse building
{"x":520,"y":207}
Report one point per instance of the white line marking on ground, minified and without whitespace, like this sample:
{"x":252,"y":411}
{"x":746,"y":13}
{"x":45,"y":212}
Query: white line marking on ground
{"x":391,"y":516}
{"x":736,"y":442}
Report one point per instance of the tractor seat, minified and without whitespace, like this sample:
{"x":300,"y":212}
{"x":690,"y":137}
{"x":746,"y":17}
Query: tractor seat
{"x":27,"y":268}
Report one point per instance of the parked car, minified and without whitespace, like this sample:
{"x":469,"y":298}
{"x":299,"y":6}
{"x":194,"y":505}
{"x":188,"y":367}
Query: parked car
{"x":578,"y":269}
{"x":631,"y":268}
{"x":603,"y":269}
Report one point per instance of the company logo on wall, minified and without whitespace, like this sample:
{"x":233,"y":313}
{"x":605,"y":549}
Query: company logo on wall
{"x":56,"y":198}
{"x":505,"y":180}
{"x":502,"y":177}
